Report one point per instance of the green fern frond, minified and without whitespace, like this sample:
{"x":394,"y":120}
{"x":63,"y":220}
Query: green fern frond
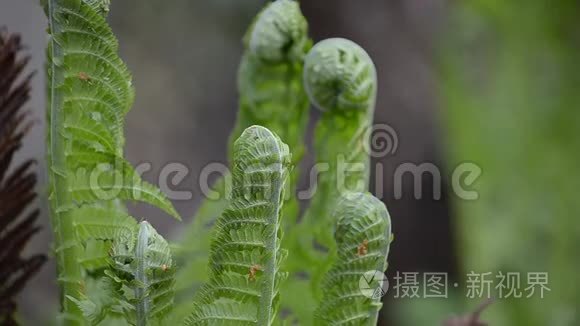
{"x":270,"y":84}
{"x":363,"y":236}
{"x":90,"y":93}
{"x":272,"y":95}
{"x":245,"y":254}
{"x":341,"y":81}
{"x":278,"y":33}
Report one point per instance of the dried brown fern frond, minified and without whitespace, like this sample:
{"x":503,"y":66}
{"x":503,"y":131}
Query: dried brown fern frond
{"x":17,"y":185}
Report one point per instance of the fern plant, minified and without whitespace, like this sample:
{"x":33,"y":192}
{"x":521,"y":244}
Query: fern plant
{"x":17,"y":212}
{"x":245,"y":253}
{"x":340,"y":79}
{"x":271,"y":95}
{"x":115,"y":271}
{"x":89,"y":93}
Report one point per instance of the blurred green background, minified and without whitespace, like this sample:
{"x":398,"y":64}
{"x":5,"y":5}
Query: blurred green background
{"x":495,"y":83}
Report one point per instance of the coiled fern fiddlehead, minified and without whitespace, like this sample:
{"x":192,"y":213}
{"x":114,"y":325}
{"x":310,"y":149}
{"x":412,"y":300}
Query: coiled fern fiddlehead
{"x":89,"y":93}
{"x":272,"y":95}
{"x":363,"y":236}
{"x":245,"y":253}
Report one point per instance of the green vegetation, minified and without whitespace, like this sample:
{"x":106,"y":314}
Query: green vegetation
{"x":516,"y":116}
{"x":115,"y":271}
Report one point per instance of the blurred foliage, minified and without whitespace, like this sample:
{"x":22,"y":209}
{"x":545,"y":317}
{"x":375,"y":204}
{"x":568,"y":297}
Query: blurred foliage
{"x":509,"y":86}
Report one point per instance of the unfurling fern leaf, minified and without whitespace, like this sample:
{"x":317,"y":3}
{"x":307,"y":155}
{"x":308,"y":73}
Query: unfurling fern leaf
{"x":90,"y":92}
{"x":270,"y":83}
{"x":341,"y":81}
{"x":245,"y":253}
{"x":363,"y":236}
{"x":17,"y":187}
{"x":271,"y":95}
{"x":139,"y":283}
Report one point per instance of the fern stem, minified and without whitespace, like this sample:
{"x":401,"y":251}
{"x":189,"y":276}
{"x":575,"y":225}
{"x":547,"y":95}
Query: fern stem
{"x":140,"y":273}
{"x":272,"y":242}
{"x":69,"y":269}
